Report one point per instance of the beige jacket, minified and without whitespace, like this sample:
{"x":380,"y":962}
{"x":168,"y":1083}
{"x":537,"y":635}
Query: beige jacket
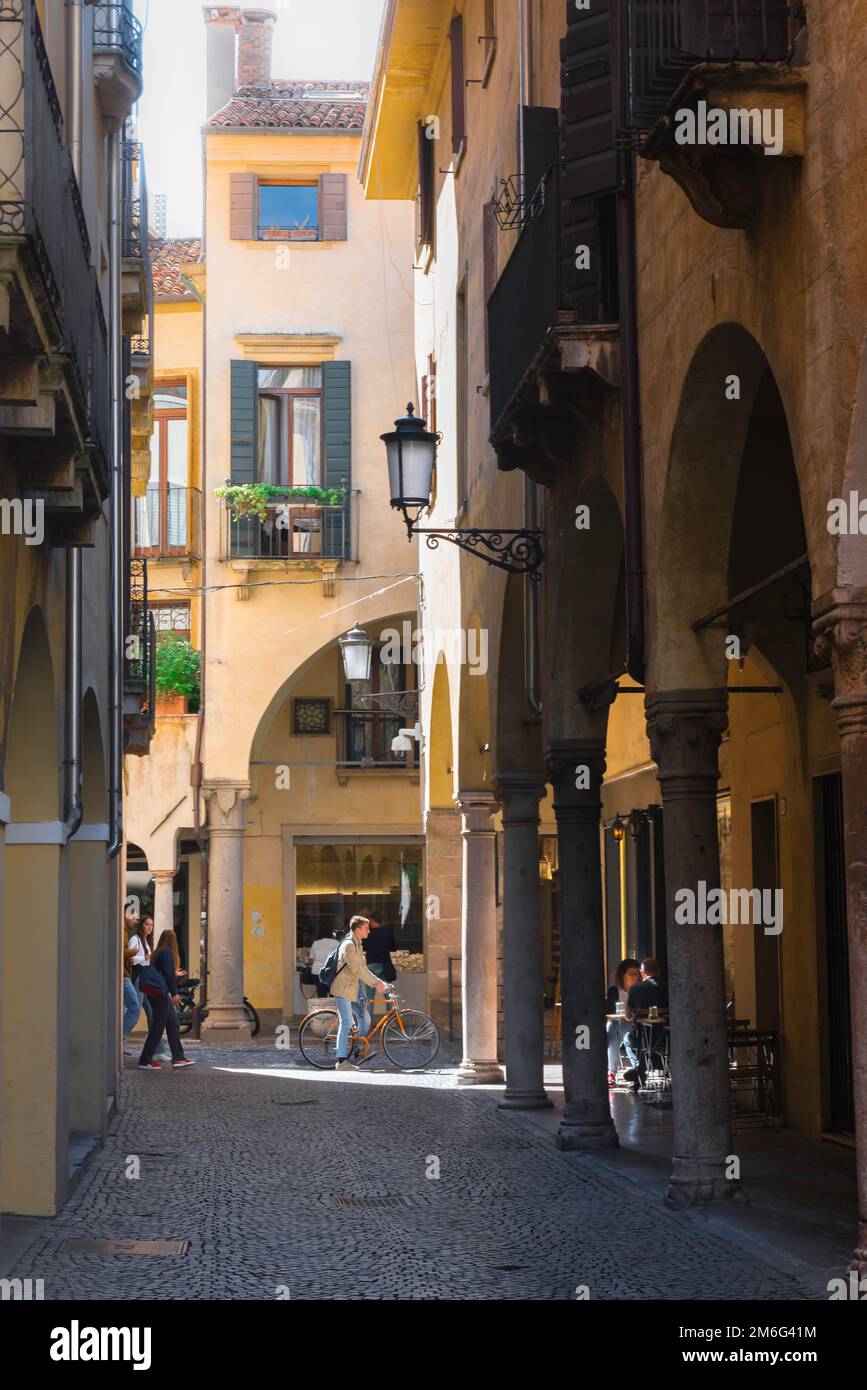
{"x":347,"y":980}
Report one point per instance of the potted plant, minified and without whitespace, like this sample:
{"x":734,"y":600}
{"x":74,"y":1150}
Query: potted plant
{"x":177,"y":676}
{"x":253,"y":499}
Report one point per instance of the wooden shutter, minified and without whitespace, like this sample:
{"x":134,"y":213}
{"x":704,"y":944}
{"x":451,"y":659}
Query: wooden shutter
{"x":244,"y":446}
{"x":541,"y":143}
{"x":337,"y":413}
{"x":587,"y":106}
{"x":332,"y":207}
{"x":244,"y":216}
{"x":425,"y":225}
{"x":459,"y":105}
{"x":590,"y":168}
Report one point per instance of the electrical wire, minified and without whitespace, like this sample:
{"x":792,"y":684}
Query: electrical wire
{"x":184,"y":589}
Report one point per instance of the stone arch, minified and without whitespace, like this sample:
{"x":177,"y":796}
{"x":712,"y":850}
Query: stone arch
{"x":519,"y":737}
{"x":440,"y":743}
{"x":715,"y":443}
{"x":587,"y":641}
{"x":94,"y":778}
{"x":850,"y":549}
{"x":32,"y":771}
{"x":475,"y":767}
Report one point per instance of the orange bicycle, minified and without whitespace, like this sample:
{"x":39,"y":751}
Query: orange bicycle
{"x":409,"y":1038}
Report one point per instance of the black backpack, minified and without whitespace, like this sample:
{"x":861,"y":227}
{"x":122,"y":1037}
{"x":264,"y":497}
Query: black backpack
{"x":331,"y":968}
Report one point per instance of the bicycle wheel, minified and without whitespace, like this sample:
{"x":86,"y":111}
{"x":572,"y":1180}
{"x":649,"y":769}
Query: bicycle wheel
{"x":317,"y":1038}
{"x":410,"y":1041}
{"x":185,"y":1022}
{"x":250,"y":1013}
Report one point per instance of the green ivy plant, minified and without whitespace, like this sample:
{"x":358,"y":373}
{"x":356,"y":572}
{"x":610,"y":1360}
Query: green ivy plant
{"x":177,"y":669}
{"x":252,"y":499}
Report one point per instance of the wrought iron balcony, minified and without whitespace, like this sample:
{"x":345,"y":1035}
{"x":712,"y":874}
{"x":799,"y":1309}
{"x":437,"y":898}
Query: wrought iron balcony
{"x":117,"y":51}
{"x":668,"y":37}
{"x":534,"y":326}
{"x":736,"y":61}
{"x":293,"y":531}
{"x":44,"y":241}
{"x":168,"y":523}
{"x":364,"y":737}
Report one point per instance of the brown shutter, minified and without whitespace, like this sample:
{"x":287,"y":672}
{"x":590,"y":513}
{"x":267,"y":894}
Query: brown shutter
{"x":424,"y":229}
{"x":332,"y":207}
{"x":244,"y":207}
{"x":459,"y":109}
{"x":489,"y":267}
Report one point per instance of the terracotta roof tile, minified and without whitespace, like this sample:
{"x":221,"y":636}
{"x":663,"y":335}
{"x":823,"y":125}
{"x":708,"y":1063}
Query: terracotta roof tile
{"x":168,"y":259}
{"x":295,"y":104}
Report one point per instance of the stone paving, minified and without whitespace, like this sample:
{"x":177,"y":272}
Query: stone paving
{"x":288,"y":1182}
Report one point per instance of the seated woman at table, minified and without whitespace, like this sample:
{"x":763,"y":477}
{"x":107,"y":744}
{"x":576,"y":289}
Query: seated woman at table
{"x":627,"y":974}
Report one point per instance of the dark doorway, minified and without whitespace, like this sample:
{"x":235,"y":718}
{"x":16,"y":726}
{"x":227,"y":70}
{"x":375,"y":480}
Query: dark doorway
{"x":831,"y":911}
{"x":763,"y":837}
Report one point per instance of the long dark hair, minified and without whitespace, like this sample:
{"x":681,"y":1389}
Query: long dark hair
{"x":622,"y":968}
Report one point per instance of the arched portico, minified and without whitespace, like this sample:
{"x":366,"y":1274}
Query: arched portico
{"x":729,"y":572}
{"x":35,"y":1012}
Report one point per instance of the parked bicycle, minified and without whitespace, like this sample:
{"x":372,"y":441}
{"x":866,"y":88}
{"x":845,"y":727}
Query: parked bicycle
{"x":409,"y":1038}
{"x":187,"y":991}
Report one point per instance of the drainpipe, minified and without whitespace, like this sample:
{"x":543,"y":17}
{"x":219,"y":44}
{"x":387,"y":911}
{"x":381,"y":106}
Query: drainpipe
{"x":116,"y":635}
{"x":630,"y":380}
{"x":531,"y":593}
{"x":73,"y":809}
{"x":196,"y":769}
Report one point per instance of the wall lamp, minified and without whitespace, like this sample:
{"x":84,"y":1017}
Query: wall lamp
{"x":411,"y":450}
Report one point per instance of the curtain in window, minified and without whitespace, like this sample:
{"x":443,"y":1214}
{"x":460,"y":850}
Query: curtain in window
{"x":305,"y":442}
{"x":269,"y":440}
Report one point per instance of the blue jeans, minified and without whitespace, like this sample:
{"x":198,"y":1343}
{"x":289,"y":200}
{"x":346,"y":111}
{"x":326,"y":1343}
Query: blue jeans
{"x":346,"y":1008}
{"x":131,"y":1005}
{"x":370,"y":990}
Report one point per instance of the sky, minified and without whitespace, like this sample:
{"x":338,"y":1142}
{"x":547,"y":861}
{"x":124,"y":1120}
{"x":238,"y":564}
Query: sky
{"x":312,"y":38}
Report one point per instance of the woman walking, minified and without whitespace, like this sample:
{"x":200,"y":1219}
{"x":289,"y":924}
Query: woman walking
{"x":159,"y":981}
{"x":347,"y":989}
{"x":141,"y":938}
{"x":131,"y":1001}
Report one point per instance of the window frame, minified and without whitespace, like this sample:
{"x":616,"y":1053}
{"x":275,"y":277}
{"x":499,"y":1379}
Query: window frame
{"x":458,"y":84}
{"x":162,"y":416}
{"x":286,"y":394}
{"x":287,"y":183}
{"x":377,"y":719}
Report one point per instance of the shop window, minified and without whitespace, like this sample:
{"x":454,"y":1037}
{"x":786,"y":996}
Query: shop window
{"x":335,"y":881}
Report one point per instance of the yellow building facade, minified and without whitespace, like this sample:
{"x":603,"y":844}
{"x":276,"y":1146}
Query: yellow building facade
{"x":293,"y":331}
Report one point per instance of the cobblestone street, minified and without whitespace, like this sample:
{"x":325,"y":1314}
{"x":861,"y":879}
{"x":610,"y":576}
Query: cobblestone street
{"x":280,"y":1177}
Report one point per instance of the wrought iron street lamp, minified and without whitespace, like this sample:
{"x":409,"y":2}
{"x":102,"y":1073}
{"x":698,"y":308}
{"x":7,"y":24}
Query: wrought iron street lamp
{"x":411,"y":451}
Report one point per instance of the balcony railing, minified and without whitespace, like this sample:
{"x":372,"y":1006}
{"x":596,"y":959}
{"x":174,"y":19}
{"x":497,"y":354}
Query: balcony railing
{"x":168,"y":522}
{"x":365,"y":736}
{"x":116,"y":29}
{"x":138,"y":649}
{"x":302,"y":531}
{"x":668,"y":37}
{"x":40,"y":202}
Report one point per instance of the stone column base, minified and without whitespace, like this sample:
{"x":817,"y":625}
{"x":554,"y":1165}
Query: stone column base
{"x":225,"y":1023}
{"x":479,"y":1073}
{"x":525,"y":1100}
{"x":695,"y":1182}
{"x":575,"y":1135}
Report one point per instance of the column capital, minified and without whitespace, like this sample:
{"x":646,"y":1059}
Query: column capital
{"x":519,"y":794}
{"x":227,"y":801}
{"x":162,"y":875}
{"x":685,"y":729}
{"x":840,"y":633}
{"x":576,"y":769}
{"x":478,"y":808}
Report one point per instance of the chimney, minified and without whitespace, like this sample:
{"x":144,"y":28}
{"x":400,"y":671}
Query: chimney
{"x":222,"y":23}
{"x":255,"y":38}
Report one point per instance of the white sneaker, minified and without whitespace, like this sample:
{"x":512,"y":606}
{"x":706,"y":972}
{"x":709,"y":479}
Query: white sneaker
{"x":345,"y":1065}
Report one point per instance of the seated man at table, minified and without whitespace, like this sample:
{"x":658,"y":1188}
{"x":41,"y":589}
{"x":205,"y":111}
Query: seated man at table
{"x":650,"y":992}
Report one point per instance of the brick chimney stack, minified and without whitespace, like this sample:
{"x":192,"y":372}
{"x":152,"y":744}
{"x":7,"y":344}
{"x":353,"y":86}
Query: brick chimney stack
{"x":255,"y":39}
{"x":222,"y":23}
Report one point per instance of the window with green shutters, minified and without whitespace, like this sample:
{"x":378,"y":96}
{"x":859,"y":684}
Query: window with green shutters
{"x":248,"y":536}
